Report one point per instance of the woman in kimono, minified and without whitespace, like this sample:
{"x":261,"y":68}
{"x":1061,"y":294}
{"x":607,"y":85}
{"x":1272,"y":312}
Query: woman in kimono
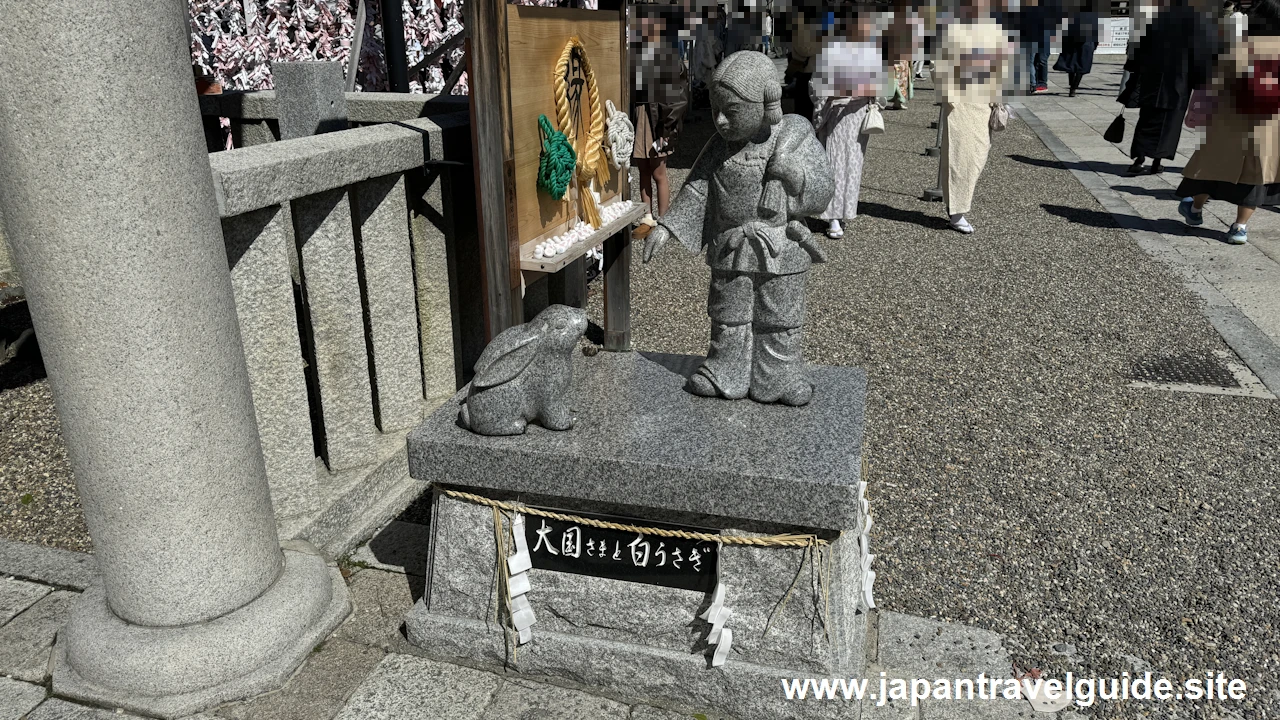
{"x":1173,"y":58}
{"x":973,"y":63}
{"x":1239,"y":161}
{"x":848,"y":73}
{"x":901,"y":42}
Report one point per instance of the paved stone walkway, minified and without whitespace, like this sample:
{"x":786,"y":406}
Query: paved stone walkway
{"x":368,"y":671}
{"x":1241,"y":285}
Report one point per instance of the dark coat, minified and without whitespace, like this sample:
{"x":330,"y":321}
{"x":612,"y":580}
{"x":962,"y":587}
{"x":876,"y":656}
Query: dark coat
{"x":663,"y":92}
{"x":1037,"y":22}
{"x":1174,"y":57}
{"x":1078,"y":44}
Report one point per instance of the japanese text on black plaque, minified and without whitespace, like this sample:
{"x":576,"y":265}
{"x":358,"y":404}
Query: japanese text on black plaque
{"x":618,"y":555}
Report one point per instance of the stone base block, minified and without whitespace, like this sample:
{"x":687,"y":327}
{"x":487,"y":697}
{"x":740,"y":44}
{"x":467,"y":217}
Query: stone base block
{"x":645,"y":452}
{"x":629,"y":672}
{"x":645,"y":643}
{"x":173,"y":672}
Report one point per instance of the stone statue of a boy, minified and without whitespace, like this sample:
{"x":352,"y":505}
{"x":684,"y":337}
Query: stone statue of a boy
{"x":743,"y":201}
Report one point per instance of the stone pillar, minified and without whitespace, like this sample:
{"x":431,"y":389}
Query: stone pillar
{"x":115,"y":231}
{"x":310,"y":98}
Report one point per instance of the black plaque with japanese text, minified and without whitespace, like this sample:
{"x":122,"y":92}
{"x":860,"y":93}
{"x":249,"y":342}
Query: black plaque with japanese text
{"x":634,"y":557}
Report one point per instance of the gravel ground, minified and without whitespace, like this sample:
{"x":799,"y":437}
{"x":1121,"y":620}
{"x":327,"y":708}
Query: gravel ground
{"x":1017,"y":483}
{"x":38,"y":502}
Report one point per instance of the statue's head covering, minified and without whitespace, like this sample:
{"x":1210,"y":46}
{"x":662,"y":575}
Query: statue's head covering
{"x":752,"y":76}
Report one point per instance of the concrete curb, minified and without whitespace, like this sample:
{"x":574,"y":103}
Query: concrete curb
{"x":1255,"y":348}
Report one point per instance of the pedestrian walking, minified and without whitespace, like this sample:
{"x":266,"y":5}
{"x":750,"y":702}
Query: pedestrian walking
{"x":848,"y":74}
{"x":1239,"y":161}
{"x":766,"y":33}
{"x":1174,"y":56}
{"x":1035,"y":22}
{"x":806,"y":42}
{"x":660,"y":97}
{"x":901,"y":41}
{"x":972,"y":65}
{"x":1078,"y":44}
{"x":706,"y":55}
{"x":1234,"y":23}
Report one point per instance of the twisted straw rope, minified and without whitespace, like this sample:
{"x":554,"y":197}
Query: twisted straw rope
{"x":592,"y":162}
{"x":787,"y":540}
{"x":622,"y":136}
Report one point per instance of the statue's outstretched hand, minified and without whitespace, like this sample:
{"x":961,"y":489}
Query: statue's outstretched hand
{"x":652,"y":244}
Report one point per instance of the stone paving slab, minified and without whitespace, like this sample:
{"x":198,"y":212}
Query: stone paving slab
{"x":56,"y":709}
{"x":648,"y":712}
{"x":380,"y":600}
{"x":25,"y":641}
{"x":524,"y":700}
{"x":399,"y":547}
{"x":18,"y":595}
{"x":916,"y":647}
{"x":47,"y":565}
{"x":982,"y":710}
{"x":318,"y":691}
{"x":890,"y":710}
{"x":404,"y":686}
{"x":18,"y":698}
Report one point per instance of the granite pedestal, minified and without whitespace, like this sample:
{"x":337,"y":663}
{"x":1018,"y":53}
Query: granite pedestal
{"x":645,"y":450}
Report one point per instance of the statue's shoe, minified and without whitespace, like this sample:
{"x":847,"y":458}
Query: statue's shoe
{"x":799,"y":394}
{"x":698,"y":384}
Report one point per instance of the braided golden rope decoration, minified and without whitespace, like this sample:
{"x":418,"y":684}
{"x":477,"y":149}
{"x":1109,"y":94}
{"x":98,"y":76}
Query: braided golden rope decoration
{"x":592,"y":161}
{"x":789,"y":540}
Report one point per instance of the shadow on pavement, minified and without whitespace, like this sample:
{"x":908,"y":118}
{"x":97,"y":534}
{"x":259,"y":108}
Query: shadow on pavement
{"x":1098,"y":167}
{"x":1083,"y":216}
{"x":1162,"y":193}
{"x":915,"y":217}
{"x":1104,"y":219}
{"x":20,"y":359}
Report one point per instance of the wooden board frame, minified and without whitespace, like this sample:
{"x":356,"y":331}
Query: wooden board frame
{"x":509,"y":48}
{"x":536,"y":38}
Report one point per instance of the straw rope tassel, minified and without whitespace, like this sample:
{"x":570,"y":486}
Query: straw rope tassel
{"x":593,"y":163}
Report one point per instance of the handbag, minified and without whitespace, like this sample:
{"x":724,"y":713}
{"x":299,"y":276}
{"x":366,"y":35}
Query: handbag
{"x":1115,"y":131}
{"x":1200,"y":109}
{"x":999,"y":119}
{"x":873,"y":121}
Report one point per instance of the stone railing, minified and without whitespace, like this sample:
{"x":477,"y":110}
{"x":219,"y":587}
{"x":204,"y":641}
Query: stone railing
{"x":255,"y":116}
{"x":339,"y":248}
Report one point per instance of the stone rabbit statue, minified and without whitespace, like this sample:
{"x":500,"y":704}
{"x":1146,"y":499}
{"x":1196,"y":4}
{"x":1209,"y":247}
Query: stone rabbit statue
{"x":523,"y":376}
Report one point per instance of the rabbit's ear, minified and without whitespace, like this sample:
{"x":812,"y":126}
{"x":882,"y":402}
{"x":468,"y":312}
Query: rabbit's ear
{"x":506,"y":357}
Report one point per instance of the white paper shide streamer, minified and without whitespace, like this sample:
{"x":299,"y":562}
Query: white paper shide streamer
{"x":518,"y":565}
{"x":720,"y":637}
{"x":866,"y":557}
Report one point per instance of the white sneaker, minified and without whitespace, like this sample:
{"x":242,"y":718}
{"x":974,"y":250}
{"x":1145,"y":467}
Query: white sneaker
{"x":961,"y":224}
{"x":834,"y":231}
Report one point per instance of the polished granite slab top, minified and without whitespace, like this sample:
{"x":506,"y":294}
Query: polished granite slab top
{"x":641,"y":440}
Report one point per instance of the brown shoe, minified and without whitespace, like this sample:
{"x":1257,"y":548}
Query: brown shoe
{"x":643,"y":227}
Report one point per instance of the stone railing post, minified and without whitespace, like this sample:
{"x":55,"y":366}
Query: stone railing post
{"x":115,"y":230}
{"x":312,"y":101}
